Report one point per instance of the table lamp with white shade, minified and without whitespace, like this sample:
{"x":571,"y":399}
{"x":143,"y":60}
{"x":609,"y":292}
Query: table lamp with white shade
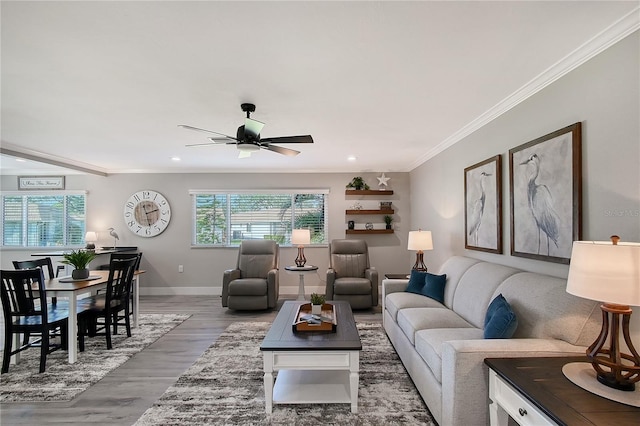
{"x":420,"y":240}
{"x":90,"y":238}
{"x":300,"y":237}
{"x":609,"y":272}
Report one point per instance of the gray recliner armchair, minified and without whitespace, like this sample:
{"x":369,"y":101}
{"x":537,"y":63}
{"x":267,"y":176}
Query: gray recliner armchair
{"x":253,"y":284}
{"x":350,"y":277}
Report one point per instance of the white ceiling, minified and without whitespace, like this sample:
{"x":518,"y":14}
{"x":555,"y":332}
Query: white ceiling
{"x":105,"y":84}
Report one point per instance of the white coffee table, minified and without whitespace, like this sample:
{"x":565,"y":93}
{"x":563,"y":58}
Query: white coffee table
{"x":311,"y":367}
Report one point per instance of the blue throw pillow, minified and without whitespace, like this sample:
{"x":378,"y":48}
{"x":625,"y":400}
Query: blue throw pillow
{"x":500,"y":321}
{"x":416,"y":281}
{"x":434,"y":286}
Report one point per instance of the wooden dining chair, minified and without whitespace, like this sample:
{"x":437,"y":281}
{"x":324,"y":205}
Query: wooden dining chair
{"x":112,"y":307}
{"x":26,"y":311}
{"x":45,"y":263}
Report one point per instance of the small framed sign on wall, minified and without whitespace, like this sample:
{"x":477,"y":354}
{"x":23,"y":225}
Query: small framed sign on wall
{"x":40,"y":182}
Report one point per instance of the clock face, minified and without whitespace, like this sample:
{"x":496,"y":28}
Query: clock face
{"x":147,"y":213}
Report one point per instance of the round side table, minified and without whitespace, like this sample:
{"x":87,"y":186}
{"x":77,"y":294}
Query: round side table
{"x":301,"y":271}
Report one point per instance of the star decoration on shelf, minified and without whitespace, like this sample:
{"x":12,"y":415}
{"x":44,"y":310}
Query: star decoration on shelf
{"x":382,"y":180}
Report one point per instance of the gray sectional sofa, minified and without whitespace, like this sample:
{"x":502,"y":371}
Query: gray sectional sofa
{"x":442,"y":345}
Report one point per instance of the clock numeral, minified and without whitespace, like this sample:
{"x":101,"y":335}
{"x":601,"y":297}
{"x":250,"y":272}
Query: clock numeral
{"x":130,"y":204}
{"x":157,"y":228}
{"x":147,"y":231}
{"x":163,"y":221}
{"x":136,"y":197}
{"x":131,"y":223}
{"x":127,"y":214}
{"x":146,"y":194}
{"x":139,"y":228}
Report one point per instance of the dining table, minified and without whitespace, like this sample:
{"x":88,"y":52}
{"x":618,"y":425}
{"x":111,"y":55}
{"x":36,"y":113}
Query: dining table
{"x":71,"y":289}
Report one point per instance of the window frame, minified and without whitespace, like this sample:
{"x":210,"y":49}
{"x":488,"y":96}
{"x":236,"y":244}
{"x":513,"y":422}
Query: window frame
{"x":66,"y":218}
{"x":193,"y":193}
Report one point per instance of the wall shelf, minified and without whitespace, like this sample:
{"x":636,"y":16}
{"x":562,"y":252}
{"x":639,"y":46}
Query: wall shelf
{"x":368,"y":192}
{"x":381,"y":211}
{"x":378,"y":211}
{"x":369,"y":231}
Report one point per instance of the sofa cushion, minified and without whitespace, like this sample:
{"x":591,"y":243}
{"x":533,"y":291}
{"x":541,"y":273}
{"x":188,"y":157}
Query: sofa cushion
{"x":429,"y":344}
{"x":401,"y":300}
{"x":416,"y":281}
{"x":412,"y":320}
{"x":545,"y":310}
{"x":434,"y":286}
{"x":500,"y":322}
{"x":352,"y":285}
{"x":248,"y":287}
{"x":476,"y":290}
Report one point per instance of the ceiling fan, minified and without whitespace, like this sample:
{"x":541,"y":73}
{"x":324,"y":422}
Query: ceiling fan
{"x":248,"y":138}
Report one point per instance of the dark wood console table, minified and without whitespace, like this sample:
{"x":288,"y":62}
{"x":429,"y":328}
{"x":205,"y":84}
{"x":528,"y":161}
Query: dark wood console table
{"x":534,"y":391}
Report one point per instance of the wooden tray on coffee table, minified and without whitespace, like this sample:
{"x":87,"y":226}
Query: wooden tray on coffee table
{"x":327,"y":321}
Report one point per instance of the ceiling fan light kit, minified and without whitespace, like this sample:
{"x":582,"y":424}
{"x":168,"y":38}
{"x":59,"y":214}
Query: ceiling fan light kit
{"x":248,"y":139}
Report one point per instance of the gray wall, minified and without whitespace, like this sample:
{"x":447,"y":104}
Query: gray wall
{"x":203,"y":267}
{"x":604,"y":95}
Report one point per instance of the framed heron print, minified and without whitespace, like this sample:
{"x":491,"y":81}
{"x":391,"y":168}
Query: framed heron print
{"x":483,"y":206}
{"x":545,"y":184}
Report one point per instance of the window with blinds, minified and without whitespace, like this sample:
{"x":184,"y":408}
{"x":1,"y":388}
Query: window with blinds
{"x":43,"y":220}
{"x":226,"y":218}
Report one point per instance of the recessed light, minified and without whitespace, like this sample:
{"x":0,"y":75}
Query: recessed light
{"x":175,"y":158}
{"x":22,"y":160}
{"x":352,"y":158}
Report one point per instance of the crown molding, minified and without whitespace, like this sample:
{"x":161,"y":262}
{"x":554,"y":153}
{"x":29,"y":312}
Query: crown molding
{"x":41,"y":157}
{"x":617,"y":31}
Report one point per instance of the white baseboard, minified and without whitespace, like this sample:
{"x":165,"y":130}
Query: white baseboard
{"x":215,"y":291}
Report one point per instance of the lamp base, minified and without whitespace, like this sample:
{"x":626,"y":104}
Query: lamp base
{"x":300,"y":260}
{"x":583,"y":375}
{"x":419,"y":265}
{"x":90,"y":246}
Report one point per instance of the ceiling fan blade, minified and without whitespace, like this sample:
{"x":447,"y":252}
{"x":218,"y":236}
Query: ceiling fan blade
{"x":200,"y":144}
{"x":289,"y":139}
{"x":281,"y":150}
{"x":253,"y":127}
{"x":184,"y":126}
{"x":223,"y":140}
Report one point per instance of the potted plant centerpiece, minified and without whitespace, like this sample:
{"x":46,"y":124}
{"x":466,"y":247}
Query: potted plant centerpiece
{"x":387,"y":220}
{"x":317,"y":300}
{"x":80,"y":259}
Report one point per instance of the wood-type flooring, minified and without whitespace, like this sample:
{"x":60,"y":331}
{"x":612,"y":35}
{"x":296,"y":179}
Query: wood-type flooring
{"x":124,"y":394}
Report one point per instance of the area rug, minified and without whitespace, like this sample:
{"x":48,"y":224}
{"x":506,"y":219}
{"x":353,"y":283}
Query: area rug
{"x":63,"y":381}
{"x":225,"y":387}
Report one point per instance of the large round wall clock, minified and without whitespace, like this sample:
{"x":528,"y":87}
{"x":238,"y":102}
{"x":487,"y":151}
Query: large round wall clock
{"x":147,"y":213}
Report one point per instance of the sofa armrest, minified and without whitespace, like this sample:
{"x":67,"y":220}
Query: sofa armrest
{"x":273,"y":288}
{"x":228,"y":276}
{"x":465,"y":377}
{"x":393,"y":286}
{"x":372,"y":275}
{"x":331,"y":278}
